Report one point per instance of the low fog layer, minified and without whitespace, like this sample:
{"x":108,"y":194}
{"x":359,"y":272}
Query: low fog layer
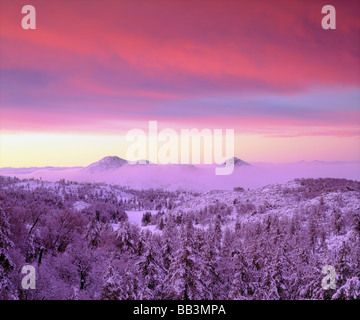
{"x":192,"y":177}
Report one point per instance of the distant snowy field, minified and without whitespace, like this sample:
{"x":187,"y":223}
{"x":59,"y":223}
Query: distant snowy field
{"x":191,"y":177}
{"x":135,"y":216}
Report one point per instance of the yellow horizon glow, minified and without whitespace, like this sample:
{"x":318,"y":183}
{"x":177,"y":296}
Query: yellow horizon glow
{"x":37,"y":150}
{"x":68,"y":150}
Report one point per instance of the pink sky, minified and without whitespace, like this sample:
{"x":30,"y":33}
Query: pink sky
{"x":99,"y":68}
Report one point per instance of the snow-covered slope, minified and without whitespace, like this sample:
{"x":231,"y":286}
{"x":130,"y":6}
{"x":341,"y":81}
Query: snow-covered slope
{"x":300,"y":197}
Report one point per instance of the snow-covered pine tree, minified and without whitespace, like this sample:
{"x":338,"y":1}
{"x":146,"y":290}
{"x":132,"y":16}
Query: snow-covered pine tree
{"x":343,"y":266}
{"x":225,"y":261}
{"x":131,"y":285}
{"x":92,"y":234}
{"x":150,"y":272}
{"x":167,"y":252}
{"x":240,"y":279}
{"x":349,"y":291}
{"x":186,"y":278}
{"x":211,"y":256}
{"x":112,"y":289}
{"x":127,"y":237}
{"x":6,"y":265}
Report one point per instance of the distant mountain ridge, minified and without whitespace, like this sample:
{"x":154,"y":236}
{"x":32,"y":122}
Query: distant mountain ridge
{"x":114,"y":162}
{"x":114,"y":170}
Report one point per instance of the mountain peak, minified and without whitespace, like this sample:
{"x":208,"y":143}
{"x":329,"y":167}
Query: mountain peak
{"x":238,"y":162}
{"x":109,"y":162}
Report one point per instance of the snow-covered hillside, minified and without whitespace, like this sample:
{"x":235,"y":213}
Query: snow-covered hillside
{"x":266,"y":243}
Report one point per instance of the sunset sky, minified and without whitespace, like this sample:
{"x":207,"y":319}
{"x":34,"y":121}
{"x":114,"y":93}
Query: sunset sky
{"x":92,"y":70}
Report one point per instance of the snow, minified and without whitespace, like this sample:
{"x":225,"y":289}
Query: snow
{"x":115,"y":226}
{"x":275,"y":201}
{"x":135,"y":217}
{"x":80,"y":205}
{"x":110,"y":162}
{"x":283,"y":204}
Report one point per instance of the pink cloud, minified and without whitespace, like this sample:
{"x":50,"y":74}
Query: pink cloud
{"x":179,"y":51}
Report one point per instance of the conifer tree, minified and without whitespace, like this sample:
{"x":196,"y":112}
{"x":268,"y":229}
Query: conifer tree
{"x":112,"y":289}
{"x":6,"y":264}
{"x":185,"y":280}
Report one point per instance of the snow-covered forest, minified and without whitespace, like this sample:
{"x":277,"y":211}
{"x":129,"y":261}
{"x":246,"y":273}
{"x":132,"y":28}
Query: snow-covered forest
{"x":98,"y":241}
